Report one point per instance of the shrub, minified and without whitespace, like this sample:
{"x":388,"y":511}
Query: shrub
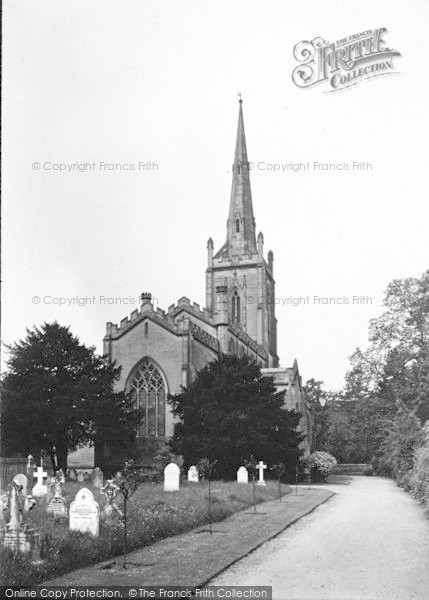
{"x":323,"y":462}
{"x":419,"y":479}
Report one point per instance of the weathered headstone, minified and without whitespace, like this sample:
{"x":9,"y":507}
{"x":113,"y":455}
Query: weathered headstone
{"x":72,"y":475}
{"x":193,"y":474}
{"x":59,"y":475}
{"x":242,"y":475}
{"x":21,"y":480}
{"x":80,"y":476}
{"x":171,"y":478}
{"x":97,"y":478}
{"x":84,"y":513}
{"x":261,"y":467}
{"x":50,"y":482}
{"x":57,"y":506}
{"x":30,"y":466}
{"x":39,"y":490}
{"x":18,"y":537}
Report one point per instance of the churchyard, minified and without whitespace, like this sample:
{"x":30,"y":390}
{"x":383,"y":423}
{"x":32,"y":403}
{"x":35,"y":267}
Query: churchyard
{"x":53,"y":525}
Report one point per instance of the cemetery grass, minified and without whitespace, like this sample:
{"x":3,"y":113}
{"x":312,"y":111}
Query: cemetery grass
{"x":152,"y":515}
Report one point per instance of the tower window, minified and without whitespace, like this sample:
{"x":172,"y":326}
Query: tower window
{"x":237,"y":225}
{"x":236,"y":307}
{"x":146,"y":330}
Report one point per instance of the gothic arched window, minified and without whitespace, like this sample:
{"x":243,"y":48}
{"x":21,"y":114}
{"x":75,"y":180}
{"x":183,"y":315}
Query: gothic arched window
{"x":236,"y":307}
{"x":147,"y":389}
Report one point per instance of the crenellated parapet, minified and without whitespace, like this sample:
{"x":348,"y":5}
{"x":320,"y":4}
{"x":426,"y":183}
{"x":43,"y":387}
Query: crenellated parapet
{"x":184,"y":304}
{"x":167,"y":319}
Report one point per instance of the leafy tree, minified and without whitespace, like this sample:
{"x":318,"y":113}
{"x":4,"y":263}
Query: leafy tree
{"x":58,"y":395}
{"x":318,"y":400}
{"x":405,"y":435}
{"x":230,"y":412}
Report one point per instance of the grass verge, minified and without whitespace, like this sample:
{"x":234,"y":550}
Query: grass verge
{"x":152,"y":515}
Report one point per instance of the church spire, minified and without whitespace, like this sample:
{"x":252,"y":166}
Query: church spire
{"x":241,"y":223}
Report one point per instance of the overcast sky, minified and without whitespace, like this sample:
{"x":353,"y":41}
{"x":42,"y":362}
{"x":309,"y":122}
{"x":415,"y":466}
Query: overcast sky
{"x":143,"y":81}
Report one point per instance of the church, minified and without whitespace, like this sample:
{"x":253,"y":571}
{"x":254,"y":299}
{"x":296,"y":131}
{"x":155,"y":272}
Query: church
{"x":161,"y":351}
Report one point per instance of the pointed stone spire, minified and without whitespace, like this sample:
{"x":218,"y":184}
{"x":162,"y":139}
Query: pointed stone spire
{"x":241,"y":223}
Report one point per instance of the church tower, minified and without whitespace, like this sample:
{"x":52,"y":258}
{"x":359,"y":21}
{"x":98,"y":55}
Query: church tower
{"x":240,"y":288}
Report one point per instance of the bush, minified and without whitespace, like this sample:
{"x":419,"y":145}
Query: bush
{"x":419,"y":479}
{"x":322,"y":462}
{"x":368,"y":471}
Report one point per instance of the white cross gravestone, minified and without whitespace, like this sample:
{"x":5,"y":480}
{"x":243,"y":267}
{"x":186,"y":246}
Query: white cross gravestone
{"x":242,"y":475}
{"x":171,"y":478}
{"x":193,"y":474}
{"x":261,"y":467}
{"x":40,"y":490}
{"x":84,"y":513}
{"x":22,"y":481}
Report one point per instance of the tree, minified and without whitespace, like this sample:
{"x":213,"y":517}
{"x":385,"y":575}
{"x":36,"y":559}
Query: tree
{"x":317,"y":398}
{"x":230,"y":412}
{"x":59,"y":395}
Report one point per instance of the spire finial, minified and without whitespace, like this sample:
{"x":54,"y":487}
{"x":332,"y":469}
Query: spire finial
{"x":240,"y":100}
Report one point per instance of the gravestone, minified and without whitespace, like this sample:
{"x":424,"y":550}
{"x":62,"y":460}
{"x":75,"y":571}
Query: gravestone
{"x":50,"y":482}
{"x":110,"y":511}
{"x":80,"y":476}
{"x":72,"y":475}
{"x":19,"y":537}
{"x":97,"y":478}
{"x":242,"y":475}
{"x":22,"y":481}
{"x":59,"y":476}
{"x":30,"y":466}
{"x":261,"y":467}
{"x":193,"y":474}
{"x":40,"y":490}
{"x":57,"y":506}
{"x":84,"y":513}
{"x":171,"y":478}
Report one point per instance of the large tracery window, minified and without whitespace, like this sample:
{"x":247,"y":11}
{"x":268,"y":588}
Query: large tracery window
{"x":147,"y":388}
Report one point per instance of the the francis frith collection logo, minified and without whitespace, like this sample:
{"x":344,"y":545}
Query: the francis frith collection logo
{"x":344,"y":63}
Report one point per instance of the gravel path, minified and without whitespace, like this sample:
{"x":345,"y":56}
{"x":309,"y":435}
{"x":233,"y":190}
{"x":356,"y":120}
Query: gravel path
{"x":369,"y":542}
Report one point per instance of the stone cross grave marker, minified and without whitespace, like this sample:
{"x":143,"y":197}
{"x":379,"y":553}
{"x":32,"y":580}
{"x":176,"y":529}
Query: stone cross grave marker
{"x":40,"y":490}
{"x":110,"y":511}
{"x":261,"y":467}
{"x":22,"y":481}
{"x":84,"y":513}
{"x":193,"y":474}
{"x":242,"y":475}
{"x":97,"y":478}
{"x":171,"y":478}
